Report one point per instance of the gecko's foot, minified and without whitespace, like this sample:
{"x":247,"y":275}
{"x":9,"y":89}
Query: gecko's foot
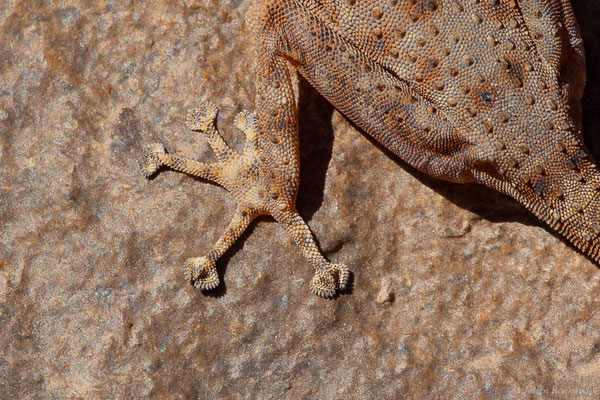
{"x":245,"y":121}
{"x":341,"y":274}
{"x":202,"y":118}
{"x":201,"y":272}
{"x":150,"y":161}
{"x":327,"y":281}
{"x":259,"y":188}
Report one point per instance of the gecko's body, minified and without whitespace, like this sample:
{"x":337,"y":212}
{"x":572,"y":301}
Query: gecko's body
{"x":464,"y":90}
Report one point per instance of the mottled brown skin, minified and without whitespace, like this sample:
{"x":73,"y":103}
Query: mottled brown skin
{"x":480,"y":91}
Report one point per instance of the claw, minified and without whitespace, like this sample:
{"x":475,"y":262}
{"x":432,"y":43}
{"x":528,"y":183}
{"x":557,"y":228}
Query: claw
{"x":150,"y":161}
{"x":201,"y":272}
{"x":202,"y":118}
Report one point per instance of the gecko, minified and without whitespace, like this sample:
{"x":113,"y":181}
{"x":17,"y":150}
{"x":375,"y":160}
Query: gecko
{"x":484,"y":91}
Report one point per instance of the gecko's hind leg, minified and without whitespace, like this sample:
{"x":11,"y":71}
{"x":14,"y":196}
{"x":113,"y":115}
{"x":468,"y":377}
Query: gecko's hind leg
{"x":257,"y":189}
{"x":230,"y":171}
{"x":201,"y":271}
{"x":329,"y":277}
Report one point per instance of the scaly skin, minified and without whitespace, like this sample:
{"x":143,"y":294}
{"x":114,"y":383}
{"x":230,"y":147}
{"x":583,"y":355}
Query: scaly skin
{"x":258,"y":190}
{"x":480,"y":91}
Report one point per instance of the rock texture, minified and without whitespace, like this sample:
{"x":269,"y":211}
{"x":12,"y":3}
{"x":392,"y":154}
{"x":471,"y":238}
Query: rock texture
{"x":458,"y":292}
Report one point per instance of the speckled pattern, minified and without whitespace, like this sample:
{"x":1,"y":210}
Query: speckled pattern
{"x":458,"y":292}
{"x":263,"y":182}
{"x":475,"y":91}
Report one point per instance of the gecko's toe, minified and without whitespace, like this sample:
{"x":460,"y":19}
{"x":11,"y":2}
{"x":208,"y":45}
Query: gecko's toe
{"x":341,"y":274}
{"x":203,"y":117}
{"x":245,"y":121}
{"x":150,"y":161}
{"x":201,"y":272}
{"x":323,"y":284}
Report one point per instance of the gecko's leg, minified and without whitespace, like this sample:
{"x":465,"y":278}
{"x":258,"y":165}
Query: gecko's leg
{"x":201,"y":119}
{"x":265,"y":178}
{"x":155,"y":156}
{"x":201,"y":271}
{"x":257,"y":192}
{"x":328,"y":276}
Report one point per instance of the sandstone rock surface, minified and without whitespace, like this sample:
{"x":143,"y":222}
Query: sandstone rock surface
{"x":458,"y":292}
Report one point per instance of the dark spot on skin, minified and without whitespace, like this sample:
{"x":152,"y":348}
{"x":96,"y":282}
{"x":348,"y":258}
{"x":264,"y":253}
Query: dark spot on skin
{"x":540,"y":187}
{"x":430,"y":5}
{"x":573,"y":162}
{"x":486,"y":97}
{"x":432,"y":62}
